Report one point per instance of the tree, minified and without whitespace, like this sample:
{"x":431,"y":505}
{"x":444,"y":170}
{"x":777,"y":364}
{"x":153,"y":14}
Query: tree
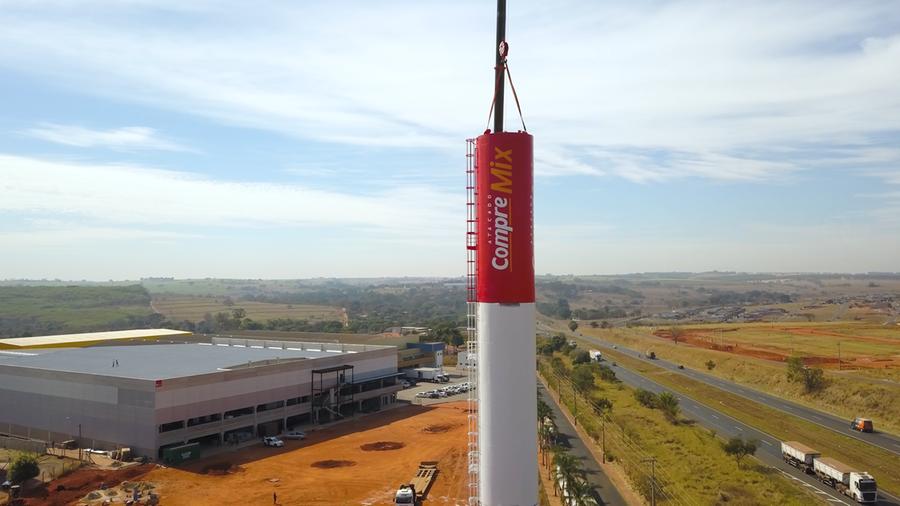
{"x":739,"y":448}
{"x":24,"y":466}
{"x":645,"y":397}
{"x":238,"y":313}
{"x":676,"y":333}
{"x":573,"y":325}
{"x":710,"y":365}
{"x":543,"y":410}
{"x":580,"y":492}
{"x":583,"y":378}
{"x":668,"y":403}
{"x":546,"y":349}
{"x":813,"y":380}
{"x":795,"y":369}
{"x":566,"y":465}
{"x":594,"y":325}
{"x":581,"y":357}
{"x":228,"y":301}
{"x":605,"y":325}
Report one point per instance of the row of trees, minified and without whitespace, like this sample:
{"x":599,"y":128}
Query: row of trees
{"x":564,"y":469}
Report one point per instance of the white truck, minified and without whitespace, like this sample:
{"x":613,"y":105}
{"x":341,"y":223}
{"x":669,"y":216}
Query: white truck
{"x":596,"y":356}
{"x":799,"y":455}
{"x":433,"y":374}
{"x":857,"y":485}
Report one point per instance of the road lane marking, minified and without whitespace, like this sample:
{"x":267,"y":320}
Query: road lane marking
{"x":766,"y":442}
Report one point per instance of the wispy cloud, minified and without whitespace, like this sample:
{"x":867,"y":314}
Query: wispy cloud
{"x":642,"y":76}
{"x":122,"y":139}
{"x":127,"y":194}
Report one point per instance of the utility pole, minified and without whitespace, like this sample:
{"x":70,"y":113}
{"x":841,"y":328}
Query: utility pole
{"x":652,"y":461}
{"x":603,"y":438}
{"x":839,"y":355}
{"x":575,"y":403}
{"x":499,"y":67}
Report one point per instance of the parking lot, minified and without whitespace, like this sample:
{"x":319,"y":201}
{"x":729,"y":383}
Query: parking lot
{"x":457,"y":380}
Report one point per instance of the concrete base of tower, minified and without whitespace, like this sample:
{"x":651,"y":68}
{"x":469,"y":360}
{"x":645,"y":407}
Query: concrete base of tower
{"x":507,"y":405}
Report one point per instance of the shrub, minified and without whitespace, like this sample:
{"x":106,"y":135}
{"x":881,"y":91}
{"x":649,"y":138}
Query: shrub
{"x":583,"y":378}
{"x":710,"y":365}
{"x":645,"y":397}
{"x":813,"y":380}
{"x":24,"y":466}
{"x":668,"y":403}
{"x":581,"y":357}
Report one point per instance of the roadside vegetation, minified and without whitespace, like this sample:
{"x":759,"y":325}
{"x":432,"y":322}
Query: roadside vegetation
{"x":692,"y":465}
{"x":881,"y":463}
{"x":845,"y":393}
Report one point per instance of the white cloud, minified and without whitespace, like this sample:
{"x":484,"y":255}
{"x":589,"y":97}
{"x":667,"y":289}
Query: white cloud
{"x":124,"y":139}
{"x":686,"y":77}
{"x":125,"y":194}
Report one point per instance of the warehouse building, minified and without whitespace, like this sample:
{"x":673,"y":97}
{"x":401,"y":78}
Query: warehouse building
{"x":152,"y":397}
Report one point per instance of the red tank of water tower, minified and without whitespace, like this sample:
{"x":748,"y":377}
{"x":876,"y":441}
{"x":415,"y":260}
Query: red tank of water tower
{"x":505,"y":205}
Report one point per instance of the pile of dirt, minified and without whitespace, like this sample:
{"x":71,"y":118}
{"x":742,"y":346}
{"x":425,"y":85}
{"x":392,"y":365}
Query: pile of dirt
{"x":381,"y":446}
{"x":331,"y":464}
{"x":78,"y":484}
{"x":221,"y":469}
{"x":438,"y":428}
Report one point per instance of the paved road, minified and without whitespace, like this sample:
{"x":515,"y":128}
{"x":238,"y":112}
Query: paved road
{"x":769,"y":451}
{"x":882,"y":440}
{"x":603,"y":488}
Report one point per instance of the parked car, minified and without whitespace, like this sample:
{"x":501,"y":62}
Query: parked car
{"x":862,"y":425}
{"x":296,"y":434}
{"x":273,"y":441}
{"x":405,"y":384}
{"x":680,"y":366}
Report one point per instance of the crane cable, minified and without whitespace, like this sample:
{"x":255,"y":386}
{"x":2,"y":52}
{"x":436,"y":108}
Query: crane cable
{"x":515,"y":96}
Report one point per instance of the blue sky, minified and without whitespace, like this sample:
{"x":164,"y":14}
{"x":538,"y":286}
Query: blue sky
{"x":192,"y":139}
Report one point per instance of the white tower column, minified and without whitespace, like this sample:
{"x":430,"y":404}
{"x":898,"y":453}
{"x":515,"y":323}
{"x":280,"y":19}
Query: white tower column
{"x":507,"y":405}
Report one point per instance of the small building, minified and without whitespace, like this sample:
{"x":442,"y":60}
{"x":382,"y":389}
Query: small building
{"x":421,"y":355}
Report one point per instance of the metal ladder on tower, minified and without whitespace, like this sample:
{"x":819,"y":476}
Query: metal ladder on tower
{"x":471,"y":322}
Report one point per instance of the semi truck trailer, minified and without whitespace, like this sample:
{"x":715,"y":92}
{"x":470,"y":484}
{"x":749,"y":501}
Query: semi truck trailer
{"x":596,"y":356}
{"x":799,"y":455}
{"x":859,"y":486}
{"x":414,"y":492}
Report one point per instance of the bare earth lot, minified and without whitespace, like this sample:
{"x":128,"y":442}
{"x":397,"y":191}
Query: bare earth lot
{"x":357,"y":462}
{"x":862,"y":346}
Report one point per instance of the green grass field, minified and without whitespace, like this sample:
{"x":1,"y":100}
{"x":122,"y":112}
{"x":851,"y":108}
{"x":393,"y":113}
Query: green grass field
{"x":880,"y":463}
{"x":181,"y":307}
{"x":691,"y":466}
{"x":43,"y":310}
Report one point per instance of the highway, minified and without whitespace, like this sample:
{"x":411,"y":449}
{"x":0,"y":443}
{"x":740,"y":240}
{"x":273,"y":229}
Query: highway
{"x":882,"y":440}
{"x":568,"y":437}
{"x":769,"y":451}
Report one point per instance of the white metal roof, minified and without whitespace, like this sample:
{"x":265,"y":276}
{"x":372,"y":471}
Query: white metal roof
{"x":76,"y":339}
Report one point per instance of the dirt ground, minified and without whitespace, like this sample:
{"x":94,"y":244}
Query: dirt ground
{"x":358,"y":462}
{"x":709,"y":339}
{"x":72,"y":487}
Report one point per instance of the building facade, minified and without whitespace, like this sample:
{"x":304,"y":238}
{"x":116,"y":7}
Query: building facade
{"x":152,"y":397}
